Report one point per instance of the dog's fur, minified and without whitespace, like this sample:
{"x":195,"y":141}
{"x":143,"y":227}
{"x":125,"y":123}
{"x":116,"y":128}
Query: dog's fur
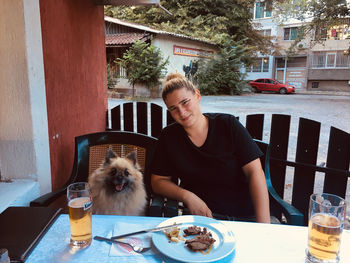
{"x":117,"y":186}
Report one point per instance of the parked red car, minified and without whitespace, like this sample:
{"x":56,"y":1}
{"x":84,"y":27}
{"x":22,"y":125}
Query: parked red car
{"x":273,"y":85}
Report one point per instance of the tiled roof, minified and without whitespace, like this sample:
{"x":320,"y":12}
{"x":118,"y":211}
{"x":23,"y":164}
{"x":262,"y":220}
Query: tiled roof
{"x":124,"y":38}
{"x":152,"y":30}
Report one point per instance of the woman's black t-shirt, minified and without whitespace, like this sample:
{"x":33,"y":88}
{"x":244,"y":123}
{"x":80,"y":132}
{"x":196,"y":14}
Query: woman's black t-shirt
{"x":213,"y":171}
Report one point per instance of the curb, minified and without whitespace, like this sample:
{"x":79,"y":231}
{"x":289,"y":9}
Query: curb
{"x":333,"y":93}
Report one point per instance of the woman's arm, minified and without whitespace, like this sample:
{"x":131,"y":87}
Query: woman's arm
{"x":258,"y":190}
{"x":164,"y":186}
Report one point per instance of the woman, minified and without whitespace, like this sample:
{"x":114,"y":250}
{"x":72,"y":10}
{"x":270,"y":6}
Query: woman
{"x":214,"y":157}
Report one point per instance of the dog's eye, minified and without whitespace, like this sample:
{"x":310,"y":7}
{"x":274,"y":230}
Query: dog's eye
{"x":126,"y":172}
{"x":113,"y":171}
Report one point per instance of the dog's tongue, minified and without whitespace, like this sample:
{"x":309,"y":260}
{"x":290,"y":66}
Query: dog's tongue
{"x":119,"y":187}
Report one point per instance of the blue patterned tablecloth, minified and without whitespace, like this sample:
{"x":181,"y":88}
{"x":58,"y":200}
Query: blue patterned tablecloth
{"x":255,"y":242}
{"x":54,"y":246}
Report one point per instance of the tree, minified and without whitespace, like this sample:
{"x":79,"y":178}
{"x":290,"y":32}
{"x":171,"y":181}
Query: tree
{"x":224,"y":22}
{"x":221,"y":75}
{"x":144,"y":64}
{"x":112,"y":78}
{"x":218,"y":21}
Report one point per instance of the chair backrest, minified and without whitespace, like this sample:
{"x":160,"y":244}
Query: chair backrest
{"x":91,"y":149}
{"x":147,"y":115}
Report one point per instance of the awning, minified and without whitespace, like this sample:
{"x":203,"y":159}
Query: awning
{"x":125,"y":38}
{"x":127,"y":2}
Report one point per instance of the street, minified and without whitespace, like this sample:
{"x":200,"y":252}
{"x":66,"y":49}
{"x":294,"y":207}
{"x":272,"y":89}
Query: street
{"x":329,"y":110}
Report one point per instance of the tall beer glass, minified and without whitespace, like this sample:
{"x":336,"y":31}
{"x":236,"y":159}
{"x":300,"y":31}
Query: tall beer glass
{"x":79,"y":205}
{"x":326,"y":222}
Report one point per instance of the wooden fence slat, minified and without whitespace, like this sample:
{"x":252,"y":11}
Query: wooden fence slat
{"x":338,"y":157}
{"x":156,"y":119}
{"x":255,"y":125}
{"x":169,"y":118}
{"x":306,"y":152}
{"x":128,"y":111}
{"x":142,"y":117}
{"x":279,"y":138}
{"x":115,"y":118}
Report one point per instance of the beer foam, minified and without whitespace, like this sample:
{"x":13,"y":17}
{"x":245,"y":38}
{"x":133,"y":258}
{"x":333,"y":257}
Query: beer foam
{"x":325,"y":220}
{"x":78,"y":202}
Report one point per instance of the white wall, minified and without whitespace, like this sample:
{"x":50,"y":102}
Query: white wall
{"x":24,"y":144}
{"x":176,"y":62}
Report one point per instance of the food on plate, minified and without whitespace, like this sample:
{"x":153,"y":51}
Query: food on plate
{"x":200,"y":242}
{"x":195,"y":230}
{"x":203,"y":240}
{"x":173,"y":234}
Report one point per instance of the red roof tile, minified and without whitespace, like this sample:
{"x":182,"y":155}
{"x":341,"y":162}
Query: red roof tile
{"x":124,"y":38}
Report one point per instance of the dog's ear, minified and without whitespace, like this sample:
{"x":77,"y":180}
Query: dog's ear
{"x":110,"y":154}
{"x":132,"y":157}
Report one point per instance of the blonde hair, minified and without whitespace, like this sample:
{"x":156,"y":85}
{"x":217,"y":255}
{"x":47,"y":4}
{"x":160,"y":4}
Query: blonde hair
{"x":175,"y":81}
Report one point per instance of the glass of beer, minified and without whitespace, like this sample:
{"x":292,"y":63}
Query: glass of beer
{"x":79,"y":205}
{"x":326,"y":222}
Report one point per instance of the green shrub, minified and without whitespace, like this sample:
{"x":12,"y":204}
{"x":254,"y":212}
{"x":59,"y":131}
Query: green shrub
{"x":144,"y":64}
{"x":221,"y":74}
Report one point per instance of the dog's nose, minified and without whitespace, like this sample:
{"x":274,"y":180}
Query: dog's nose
{"x":119,"y":177}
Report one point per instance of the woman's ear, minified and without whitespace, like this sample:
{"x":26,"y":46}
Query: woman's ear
{"x":198,"y":94}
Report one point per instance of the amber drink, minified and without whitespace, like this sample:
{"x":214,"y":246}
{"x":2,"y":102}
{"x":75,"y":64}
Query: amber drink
{"x":79,"y":205}
{"x":326,"y":221}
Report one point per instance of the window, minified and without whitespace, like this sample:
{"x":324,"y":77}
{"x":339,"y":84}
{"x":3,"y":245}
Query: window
{"x":259,"y":65}
{"x":265,"y":64}
{"x":291,"y":33}
{"x":324,"y":59}
{"x":260,"y":10}
{"x":342,"y":60}
{"x":330,"y":60}
{"x":314,"y":85}
{"x":338,"y":32}
{"x":265,"y":32}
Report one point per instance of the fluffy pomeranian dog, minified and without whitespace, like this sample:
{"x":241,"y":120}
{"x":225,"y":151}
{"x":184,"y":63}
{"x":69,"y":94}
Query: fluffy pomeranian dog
{"x":117,"y":186}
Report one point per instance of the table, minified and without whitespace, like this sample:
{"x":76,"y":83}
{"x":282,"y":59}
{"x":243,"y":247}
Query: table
{"x":254,"y":242}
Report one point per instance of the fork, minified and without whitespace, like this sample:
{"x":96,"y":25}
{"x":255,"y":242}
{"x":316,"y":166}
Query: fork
{"x":136,"y":248}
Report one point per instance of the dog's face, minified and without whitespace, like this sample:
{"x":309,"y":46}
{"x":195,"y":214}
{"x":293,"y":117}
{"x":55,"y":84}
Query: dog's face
{"x":120,"y":174}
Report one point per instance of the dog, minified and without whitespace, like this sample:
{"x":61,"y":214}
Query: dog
{"x":117,"y":186}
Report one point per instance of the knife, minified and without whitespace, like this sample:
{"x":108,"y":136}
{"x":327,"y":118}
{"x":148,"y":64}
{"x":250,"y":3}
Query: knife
{"x":146,"y":231}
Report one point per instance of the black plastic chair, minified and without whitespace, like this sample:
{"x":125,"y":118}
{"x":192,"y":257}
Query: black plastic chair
{"x":90,"y":151}
{"x":278,"y":206}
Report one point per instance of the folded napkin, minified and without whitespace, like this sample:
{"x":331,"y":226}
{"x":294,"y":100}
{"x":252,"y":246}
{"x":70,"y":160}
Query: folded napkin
{"x":143,"y":240}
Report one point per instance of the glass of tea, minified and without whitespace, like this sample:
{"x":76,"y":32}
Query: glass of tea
{"x":326,"y":222}
{"x":79,"y":205}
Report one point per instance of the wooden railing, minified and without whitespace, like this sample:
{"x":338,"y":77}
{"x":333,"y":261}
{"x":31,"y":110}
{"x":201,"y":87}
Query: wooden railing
{"x":148,"y":119}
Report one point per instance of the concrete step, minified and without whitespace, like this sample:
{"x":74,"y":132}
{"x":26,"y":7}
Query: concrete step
{"x":19,"y":192}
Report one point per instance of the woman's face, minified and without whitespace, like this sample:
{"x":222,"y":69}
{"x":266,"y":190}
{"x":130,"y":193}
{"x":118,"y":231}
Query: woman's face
{"x":184,"y":106}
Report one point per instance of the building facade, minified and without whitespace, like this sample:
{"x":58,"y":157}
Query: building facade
{"x":314,"y":66}
{"x":182,"y":51}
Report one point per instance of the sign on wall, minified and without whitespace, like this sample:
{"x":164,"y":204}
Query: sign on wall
{"x":296,"y":77}
{"x":192,"y":52}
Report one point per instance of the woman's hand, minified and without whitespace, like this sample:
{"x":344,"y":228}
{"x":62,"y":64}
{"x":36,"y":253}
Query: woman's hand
{"x":196,"y":205}
{"x":164,"y":186}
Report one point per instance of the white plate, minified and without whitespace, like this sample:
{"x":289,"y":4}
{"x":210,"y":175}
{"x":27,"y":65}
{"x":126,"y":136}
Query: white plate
{"x":222,"y":247}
